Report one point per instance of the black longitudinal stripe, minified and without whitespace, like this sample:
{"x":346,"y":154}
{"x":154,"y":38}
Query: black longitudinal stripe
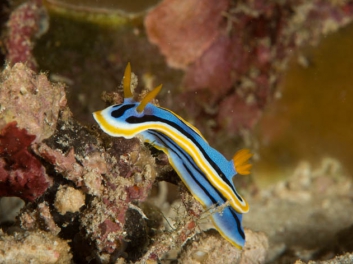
{"x":235,"y":217}
{"x":240,"y":229}
{"x":186,"y":156}
{"x":182,"y":122}
{"x":152,"y":118}
{"x":121,"y":111}
{"x":173,"y":147}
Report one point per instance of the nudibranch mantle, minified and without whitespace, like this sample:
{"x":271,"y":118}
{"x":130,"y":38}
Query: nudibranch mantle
{"x":206,"y":172}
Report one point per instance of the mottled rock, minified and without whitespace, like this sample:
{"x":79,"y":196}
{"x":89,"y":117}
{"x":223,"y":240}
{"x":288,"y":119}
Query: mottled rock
{"x":34,"y":247}
{"x":210,"y":248}
{"x":30,"y":100}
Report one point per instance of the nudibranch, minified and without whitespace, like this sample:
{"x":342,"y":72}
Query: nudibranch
{"x":205,"y":172}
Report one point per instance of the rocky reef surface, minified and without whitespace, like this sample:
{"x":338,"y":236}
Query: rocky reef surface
{"x":71,"y":194}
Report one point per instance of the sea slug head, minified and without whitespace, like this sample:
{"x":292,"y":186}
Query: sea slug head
{"x":118,"y":120}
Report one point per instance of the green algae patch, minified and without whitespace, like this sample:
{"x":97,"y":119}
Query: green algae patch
{"x":106,"y":14}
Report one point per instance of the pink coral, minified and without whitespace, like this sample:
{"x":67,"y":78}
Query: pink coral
{"x":21,"y":174}
{"x":235,"y":114}
{"x":185,"y":29}
{"x":212,"y":69}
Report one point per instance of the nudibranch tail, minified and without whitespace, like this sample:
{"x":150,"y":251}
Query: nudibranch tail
{"x":226,"y":220}
{"x":241,"y":161}
{"x":127,"y":82}
{"x":148,"y":98}
{"x":228,"y":223}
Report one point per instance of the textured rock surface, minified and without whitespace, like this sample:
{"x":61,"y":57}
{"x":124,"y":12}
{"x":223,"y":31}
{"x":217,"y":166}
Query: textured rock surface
{"x":208,"y":248}
{"x":30,"y":100}
{"x":33,"y":247}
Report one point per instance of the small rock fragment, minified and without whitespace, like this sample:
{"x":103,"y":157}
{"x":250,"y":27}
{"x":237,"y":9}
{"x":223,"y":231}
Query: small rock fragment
{"x":68,"y":199}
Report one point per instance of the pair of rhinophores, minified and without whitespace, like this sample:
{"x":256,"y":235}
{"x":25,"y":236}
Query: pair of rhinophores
{"x":206,"y":172}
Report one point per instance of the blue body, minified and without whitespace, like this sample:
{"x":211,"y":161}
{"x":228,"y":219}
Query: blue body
{"x":124,"y":117}
{"x":205,"y":172}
